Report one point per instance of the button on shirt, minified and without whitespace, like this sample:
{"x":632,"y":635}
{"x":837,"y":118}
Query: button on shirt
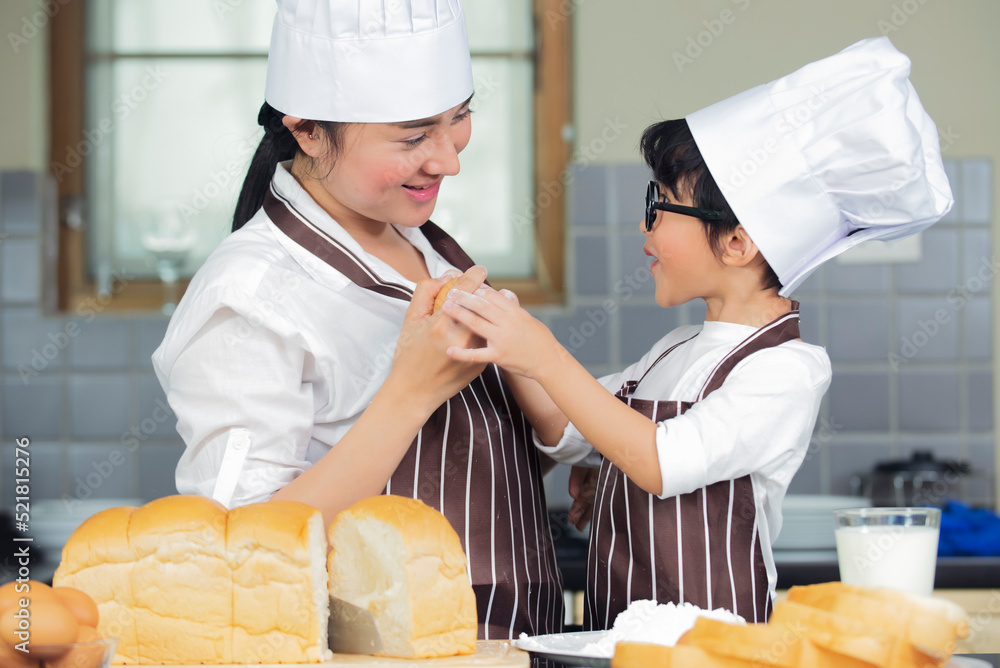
{"x":272,"y":354}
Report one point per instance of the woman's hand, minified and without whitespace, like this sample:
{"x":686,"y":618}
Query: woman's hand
{"x":421,"y":366}
{"x":421,"y":379}
{"x":514,"y":339}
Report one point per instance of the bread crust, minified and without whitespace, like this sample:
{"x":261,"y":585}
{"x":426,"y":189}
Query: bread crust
{"x":442,"y":294}
{"x":98,"y":559}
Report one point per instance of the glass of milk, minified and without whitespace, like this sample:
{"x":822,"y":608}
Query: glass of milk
{"x":888,"y":547}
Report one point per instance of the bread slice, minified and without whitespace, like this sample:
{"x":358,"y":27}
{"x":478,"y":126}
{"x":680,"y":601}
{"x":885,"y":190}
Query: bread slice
{"x":97,"y":559}
{"x":403,"y":561}
{"x":937,"y":625}
{"x":750,"y":644}
{"x":829,"y":625}
{"x":277,"y":554}
{"x":926,"y":629}
{"x":833,"y":640}
{"x":182,"y":586}
{"x":795,"y":639}
{"x":641,"y":655}
{"x":715,"y":645}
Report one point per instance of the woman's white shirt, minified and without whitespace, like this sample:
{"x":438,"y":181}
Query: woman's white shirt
{"x":273,"y":354}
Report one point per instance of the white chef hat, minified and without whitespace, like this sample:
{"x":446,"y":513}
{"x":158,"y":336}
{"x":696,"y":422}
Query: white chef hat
{"x":368,"y":61}
{"x":836,"y":153}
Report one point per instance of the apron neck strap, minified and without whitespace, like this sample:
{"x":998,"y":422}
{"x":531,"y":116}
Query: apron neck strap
{"x":629,"y":387}
{"x":294,"y":224}
{"x":780,"y":330}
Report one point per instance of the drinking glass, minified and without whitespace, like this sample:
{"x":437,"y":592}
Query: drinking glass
{"x":888,"y":547}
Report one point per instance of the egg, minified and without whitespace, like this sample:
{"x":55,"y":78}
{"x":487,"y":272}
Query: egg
{"x":11,"y":658}
{"x":85,"y":654}
{"x":80,"y":604}
{"x":50,"y":623}
{"x":12,"y":592}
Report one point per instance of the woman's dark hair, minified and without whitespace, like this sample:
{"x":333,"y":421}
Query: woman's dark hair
{"x":671,"y":152}
{"x":277,"y":145}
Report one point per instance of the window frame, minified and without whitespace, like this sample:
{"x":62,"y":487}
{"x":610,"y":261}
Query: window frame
{"x":552,"y":99}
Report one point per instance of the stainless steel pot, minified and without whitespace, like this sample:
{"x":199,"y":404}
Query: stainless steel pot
{"x":921,"y":480}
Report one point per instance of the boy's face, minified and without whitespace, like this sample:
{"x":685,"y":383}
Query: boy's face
{"x":684,"y":266}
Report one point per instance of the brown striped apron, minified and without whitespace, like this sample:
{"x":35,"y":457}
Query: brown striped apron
{"x":702,"y":547}
{"x":473,"y":460}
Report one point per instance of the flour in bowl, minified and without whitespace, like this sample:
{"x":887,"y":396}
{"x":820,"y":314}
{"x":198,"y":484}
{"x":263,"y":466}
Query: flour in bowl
{"x":645,"y":621}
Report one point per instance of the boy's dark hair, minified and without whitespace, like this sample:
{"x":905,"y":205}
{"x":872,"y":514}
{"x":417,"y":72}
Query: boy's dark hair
{"x":671,"y":152}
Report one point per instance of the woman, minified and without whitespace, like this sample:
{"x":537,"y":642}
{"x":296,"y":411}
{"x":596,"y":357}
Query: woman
{"x":304,"y":362}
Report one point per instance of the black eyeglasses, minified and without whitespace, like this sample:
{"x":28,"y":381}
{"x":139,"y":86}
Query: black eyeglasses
{"x":653,"y":204}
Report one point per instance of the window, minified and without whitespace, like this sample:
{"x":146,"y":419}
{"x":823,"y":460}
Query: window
{"x":156,"y":147}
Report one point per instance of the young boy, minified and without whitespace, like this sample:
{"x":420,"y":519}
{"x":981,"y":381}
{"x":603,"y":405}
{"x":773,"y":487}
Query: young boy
{"x":702,"y":436}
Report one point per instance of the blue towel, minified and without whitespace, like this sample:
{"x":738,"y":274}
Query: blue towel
{"x":968,"y":533}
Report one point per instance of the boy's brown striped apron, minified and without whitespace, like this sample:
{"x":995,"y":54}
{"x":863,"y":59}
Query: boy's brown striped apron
{"x":701,"y":547}
{"x":473,"y":460}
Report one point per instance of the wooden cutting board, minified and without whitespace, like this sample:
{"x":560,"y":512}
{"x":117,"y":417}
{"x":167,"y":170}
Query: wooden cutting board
{"x":488,"y":653}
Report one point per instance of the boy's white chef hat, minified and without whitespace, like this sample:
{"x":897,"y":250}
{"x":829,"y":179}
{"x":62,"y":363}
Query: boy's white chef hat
{"x":836,"y":153}
{"x":368,"y":61}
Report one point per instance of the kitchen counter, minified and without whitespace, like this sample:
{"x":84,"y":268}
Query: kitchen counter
{"x":499,"y":653}
{"x":796,"y":568}
{"x":951,"y":572}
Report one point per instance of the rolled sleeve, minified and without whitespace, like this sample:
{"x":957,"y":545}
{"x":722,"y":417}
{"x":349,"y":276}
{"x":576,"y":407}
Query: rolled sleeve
{"x":572,"y":449}
{"x":759,"y":421}
{"x":238,"y":377}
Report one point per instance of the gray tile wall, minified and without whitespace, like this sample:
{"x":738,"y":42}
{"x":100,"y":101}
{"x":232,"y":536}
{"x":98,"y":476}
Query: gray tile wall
{"x":81,"y":386}
{"x":911,"y":344}
{"x":78,"y":384}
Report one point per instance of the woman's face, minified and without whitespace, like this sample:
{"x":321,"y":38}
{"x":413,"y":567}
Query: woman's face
{"x":391,"y":172}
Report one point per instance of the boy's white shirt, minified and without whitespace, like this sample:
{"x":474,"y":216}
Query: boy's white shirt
{"x":758,"y":423}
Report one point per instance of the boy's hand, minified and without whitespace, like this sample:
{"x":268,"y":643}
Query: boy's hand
{"x":514,"y":339}
{"x":583,"y":488}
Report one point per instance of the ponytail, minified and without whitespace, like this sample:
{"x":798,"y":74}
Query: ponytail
{"x":278,"y":145}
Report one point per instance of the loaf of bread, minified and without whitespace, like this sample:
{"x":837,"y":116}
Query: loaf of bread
{"x":182,"y":581}
{"x":829,"y":625}
{"x":403,"y":561}
{"x":182,"y":586}
{"x":277,"y":554}
{"x":98,"y":560}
